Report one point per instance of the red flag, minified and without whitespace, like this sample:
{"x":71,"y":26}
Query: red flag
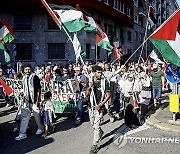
{"x":117,"y":53}
{"x":6,"y":87}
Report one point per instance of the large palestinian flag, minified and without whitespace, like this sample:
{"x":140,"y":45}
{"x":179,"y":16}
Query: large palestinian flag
{"x":72,"y":20}
{"x":167,"y":39}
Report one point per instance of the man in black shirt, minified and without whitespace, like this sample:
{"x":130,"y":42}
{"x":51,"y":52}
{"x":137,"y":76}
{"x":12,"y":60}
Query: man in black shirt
{"x":99,"y":94}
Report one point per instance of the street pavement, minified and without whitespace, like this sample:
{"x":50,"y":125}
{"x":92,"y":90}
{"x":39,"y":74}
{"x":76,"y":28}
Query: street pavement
{"x":68,"y":139}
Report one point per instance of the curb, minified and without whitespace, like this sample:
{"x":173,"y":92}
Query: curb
{"x":153,"y":122}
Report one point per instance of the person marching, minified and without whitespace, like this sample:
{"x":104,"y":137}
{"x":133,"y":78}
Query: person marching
{"x":48,"y":112}
{"x":99,"y":93}
{"x":32,"y":95}
{"x":158,"y":82}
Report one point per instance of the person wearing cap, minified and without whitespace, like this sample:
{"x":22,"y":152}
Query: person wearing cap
{"x":65,"y":75}
{"x":158,"y":81}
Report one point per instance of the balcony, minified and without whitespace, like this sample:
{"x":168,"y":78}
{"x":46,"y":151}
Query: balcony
{"x":142,"y":12}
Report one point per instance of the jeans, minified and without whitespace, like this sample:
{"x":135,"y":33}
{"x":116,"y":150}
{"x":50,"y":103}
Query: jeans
{"x":79,"y":110}
{"x":156,"y":92}
{"x":117,"y":104}
{"x":26,"y":113}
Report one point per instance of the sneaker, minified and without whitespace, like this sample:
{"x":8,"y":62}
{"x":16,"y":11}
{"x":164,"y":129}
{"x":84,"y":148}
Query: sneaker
{"x":117,"y":116}
{"x":20,"y":137}
{"x":94,"y":149}
{"x":53,"y":129}
{"x":8,"y":105}
{"x":77,"y":122}
{"x":15,"y":129}
{"x":44,"y":135}
{"x":101,"y":134}
{"x":111,"y":119}
{"x":39,"y":132}
{"x":154,"y":108}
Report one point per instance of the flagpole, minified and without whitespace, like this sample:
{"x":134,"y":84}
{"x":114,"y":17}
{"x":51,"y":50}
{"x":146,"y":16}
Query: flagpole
{"x":135,"y":52}
{"x":148,"y":38}
{"x":145,"y":35}
{"x":57,"y":21}
{"x":114,"y":60}
{"x":96,"y":53}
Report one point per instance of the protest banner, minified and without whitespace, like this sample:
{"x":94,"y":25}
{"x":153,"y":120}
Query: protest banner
{"x":64,"y":96}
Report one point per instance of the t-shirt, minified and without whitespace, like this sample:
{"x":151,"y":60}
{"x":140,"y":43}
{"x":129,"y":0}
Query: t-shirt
{"x":156,"y":78}
{"x":37,"y":86}
{"x":97,"y":89}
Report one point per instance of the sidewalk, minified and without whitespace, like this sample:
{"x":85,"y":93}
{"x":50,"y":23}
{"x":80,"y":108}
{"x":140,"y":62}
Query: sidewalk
{"x":162,"y":119}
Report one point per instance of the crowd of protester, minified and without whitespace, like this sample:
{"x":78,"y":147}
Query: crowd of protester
{"x":128,"y":89}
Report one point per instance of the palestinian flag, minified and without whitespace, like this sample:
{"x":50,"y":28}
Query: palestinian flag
{"x":117,"y":53}
{"x":151,"y":19}
{"x":72,"y":20}
{"x":92,"y":28}
{"x":167,"y":39}
{"x":6,"y":32}
{"x":103,"y":41}
{"x":7,"y":89}
{"x":6,"y":52}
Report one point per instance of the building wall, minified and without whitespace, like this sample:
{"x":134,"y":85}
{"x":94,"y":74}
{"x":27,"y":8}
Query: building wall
{"x":125,"y":28}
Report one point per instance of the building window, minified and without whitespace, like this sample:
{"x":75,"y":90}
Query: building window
{"x":23,"y":51}
{"x":129,"y":36}
{"x":119,"y":5}
{"x":51,"y":24}
{"x":110,"y":30}
{"x":141,"y":21}
{"x":105,"y":28}
{"x":106,"y":2}
{"x":136,"y":35}
{"x":56,"y":50}
{"x":22,"y":22}
{"x":128,"y":11}
{"x":88,"y":48}
{"x":140,"y":37}
{"x":97,"y":53}
{"x":136,"y":19}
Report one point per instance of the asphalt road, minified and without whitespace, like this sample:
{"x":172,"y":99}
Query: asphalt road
{"x":68,"y":139}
